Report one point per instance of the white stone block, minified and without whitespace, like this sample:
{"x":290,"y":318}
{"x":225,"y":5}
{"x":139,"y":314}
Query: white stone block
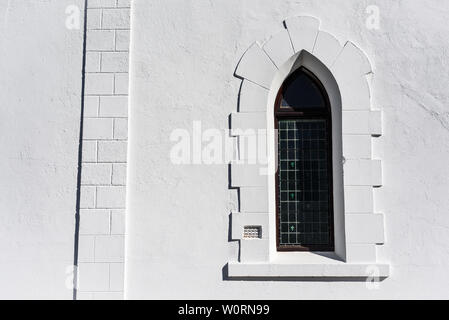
{"x":101,"y":3}
{"x":327,"y":48}
{"x":99,"y":83}
{"x":114,"y":62}
{"x":86,"y":247}
{"x":93,"y":61}
{"x":362,"y":173}
{"x":121,"y":83}
{"x":122,"y":40}
{"x":96,"y":174}
{"x":279,"y":48}
{"x":303,"y":31}
{"x":123,"y":3}
{"x":118,"y":221}
{"x":94,"y":221}
{"x":356,"y":122}
{"x":91,"y":105}
{"x":119,"y":174}
{"x":247,"y":175}
{"x":356,"y":146}
{"x":306,"y":270}
{"x":253,"y":200}
{"x":254,"y":251}
{"x":355,"y":93}
{"x":93,"y":277}
{"x":350,"y":70}
{"x":256,"y":67}
{"x":361,"y":122}
{"x":89,"y":151}
{"x":364,"y":228}
{"x":116,"y":18}
{"x":93,"y":19}
{"x":121,"y":129}
{"x":111,"y":197}
{"x":352,"y":62}
{"x":88,"y":196}
{"x":109,"y":248}
{"x":359,"y":199}
{"x":98,"y":128}
{"x":100,"y":40}
{"x":376,"y":123}
{"x":247,"y":123}
{"x":377,"y":177}
{"x":117,"y":272}
{"x":252,"y":97}
{"x":112,"y":151}
{"x":361,"y":253}
{"x":114,"y":106}
{"x":252,"y":148}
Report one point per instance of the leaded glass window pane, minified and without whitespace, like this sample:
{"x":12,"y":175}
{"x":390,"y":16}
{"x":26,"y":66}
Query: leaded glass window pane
{"x":304,"y":201}
{"x":303,"y":176}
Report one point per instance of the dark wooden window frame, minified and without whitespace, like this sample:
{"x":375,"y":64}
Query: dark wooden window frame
{"x":286,"y":113}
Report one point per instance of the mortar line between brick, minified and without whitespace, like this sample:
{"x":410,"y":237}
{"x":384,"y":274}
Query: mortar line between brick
{"x":109,"y":277}
{"x":110,"y":222}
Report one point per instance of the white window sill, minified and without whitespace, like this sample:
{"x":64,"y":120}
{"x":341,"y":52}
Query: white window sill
{"x":307,"y":270}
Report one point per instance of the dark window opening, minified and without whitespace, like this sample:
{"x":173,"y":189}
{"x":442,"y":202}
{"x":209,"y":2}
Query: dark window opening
{"x":304,"y":201}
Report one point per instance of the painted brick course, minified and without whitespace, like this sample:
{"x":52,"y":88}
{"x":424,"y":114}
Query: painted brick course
{"x":103,"y":179}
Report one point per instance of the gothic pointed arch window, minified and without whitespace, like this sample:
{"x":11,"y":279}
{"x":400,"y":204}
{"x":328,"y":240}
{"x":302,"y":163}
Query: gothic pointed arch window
{"x":304,"y":200}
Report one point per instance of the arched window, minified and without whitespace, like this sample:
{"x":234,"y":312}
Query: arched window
{"x":304,"y":202}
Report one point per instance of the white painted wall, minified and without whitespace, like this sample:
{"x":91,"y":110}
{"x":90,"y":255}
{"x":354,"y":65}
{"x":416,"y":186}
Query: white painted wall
{"x":183,"y":55}
{"x":40,"y":94}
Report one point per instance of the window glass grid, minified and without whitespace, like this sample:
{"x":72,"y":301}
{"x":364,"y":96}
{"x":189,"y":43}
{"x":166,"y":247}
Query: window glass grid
{"x":303,"y":183}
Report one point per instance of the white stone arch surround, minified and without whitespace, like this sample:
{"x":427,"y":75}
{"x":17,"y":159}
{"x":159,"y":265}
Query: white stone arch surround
{"x":344,"y":71}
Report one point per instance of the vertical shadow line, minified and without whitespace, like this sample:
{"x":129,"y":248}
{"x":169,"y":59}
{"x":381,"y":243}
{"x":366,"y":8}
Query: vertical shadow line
{"x":80,"y":158}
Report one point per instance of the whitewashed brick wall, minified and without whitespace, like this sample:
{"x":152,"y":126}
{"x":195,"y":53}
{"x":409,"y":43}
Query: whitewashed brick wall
{"x":103,"y":191}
